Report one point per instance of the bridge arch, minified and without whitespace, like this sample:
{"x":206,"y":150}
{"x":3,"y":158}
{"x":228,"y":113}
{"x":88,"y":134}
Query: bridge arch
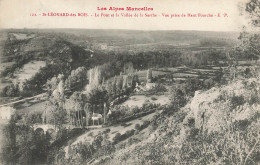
{"x":52,"y":133}
{"x":39,"y":131}
{"x":44,"y":127}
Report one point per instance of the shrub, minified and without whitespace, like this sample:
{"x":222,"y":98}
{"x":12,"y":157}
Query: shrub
{"x":106,"y":131}
{"x":191,"y":122}
{"x":129,"y":133}
{"x":138,"y":127}
{"x":242,"y":125}
{"x":135,"y":110}
{"x":145,"y":124}
{"x":124,"y":124}
{"x":32,"y":118}
{"x":153,"y":98}
{"x":133,"y":140}
{"x":90,"y":134}
{"x":193,"y":133}
{"x":236,"y":101}
{"x":137,"y":132}
{"x":121,"y":146}
{"x":117,"y":138}
{"x":254,"y":100}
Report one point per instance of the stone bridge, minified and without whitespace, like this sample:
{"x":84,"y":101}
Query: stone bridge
{"x":51,"y":128}
{"x":45,"y":127}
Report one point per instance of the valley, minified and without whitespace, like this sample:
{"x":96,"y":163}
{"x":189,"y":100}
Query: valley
{"x":109,"y":97}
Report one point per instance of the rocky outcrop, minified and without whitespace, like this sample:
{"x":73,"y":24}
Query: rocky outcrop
{"x":217,"y":108}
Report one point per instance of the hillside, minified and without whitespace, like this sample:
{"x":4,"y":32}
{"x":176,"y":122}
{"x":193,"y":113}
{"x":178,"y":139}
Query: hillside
{"x":103,"y":96}
{"x":214,"y":125}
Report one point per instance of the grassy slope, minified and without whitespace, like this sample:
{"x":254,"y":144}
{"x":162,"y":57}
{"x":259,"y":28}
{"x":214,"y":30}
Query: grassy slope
{"x":180,"y":139}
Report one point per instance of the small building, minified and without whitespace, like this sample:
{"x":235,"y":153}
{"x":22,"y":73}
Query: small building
{"x":96,"y":117}
{"x":103,"y":46}
{"x":150,"y":85}
{"x":6,"y":113}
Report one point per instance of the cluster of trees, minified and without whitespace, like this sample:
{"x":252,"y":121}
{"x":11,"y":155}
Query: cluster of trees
{"x":201,"y":58}
{"x":214,"y":42}
{"x":85,"y":152}
{"x":76,"y":108}
{"x":248,"y":47}
{"x":181,"y":94}
{"x":76,"y":81}
{"x":125,"y":113}
{"x":10,"y":90}
{"x":67,"y":101}
{"x":23,"y":145}
{"x":100,"y":73}
{"x":118,"y":86}
{"x":172,"y":58}
{"x":249,"y":41}
{"x":64,"y":57}
{"x":61,"y":110}
{"x":120,"y":137}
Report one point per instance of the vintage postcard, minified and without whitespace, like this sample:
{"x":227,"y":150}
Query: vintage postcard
{"x":112,"y":82}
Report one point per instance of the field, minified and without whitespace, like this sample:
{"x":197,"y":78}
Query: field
{"x":28,"y":70}
{"x":180,"y":73}
{"x":22,"y":36}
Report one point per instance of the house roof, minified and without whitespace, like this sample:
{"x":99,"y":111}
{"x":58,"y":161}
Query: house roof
{"x":96,"y":115}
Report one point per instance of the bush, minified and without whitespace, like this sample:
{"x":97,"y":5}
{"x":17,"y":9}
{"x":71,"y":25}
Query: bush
{"x":124,"y":113}
{"x":137,"y":132}
{"x":121,"y":146}
{"x":145,"y":124}
{"x":90,"y":134}
{"x":153,"y":98}
{"x":133,"y":140}
{"x":193,"y":133}
{"x":129,"y":133}
{"x":138,"y":127}
{"x":124,"y":124}
{"x":117,"y":138}
{"x":159,"y":88}
{"x":106,"y":131}
{"x":236,"y":101}
{"x":254,"y":100}
{"x":32,"y":118}
{"x":191,"y":122}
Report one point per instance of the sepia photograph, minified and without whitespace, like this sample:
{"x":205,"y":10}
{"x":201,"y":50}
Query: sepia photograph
{"x":129,"y":82}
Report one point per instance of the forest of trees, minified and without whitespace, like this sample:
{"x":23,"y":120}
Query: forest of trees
{"x":65,"y":57}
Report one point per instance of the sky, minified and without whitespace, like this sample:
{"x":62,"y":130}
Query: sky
{"x":16,"y":14}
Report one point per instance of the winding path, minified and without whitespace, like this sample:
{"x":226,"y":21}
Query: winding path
{"x":23,"y":100}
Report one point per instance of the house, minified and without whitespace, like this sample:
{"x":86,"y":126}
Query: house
{"x":6,"y":113}
{"x":96,"y":117}
{"x":150,"y":85}
{"x":103,"y":46}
